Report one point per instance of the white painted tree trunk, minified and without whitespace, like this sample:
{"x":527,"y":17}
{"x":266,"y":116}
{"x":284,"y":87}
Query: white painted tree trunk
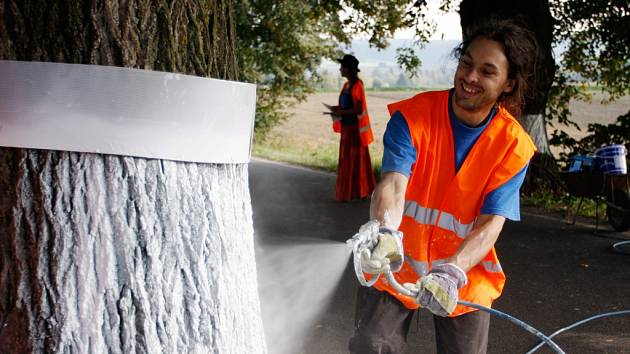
{"x":111,"y":254}
{"x":534,"y":124}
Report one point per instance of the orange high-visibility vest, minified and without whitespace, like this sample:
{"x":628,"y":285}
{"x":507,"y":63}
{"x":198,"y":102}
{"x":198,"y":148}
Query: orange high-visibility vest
{"x":365,"y":130}
{"x":441,"y":206}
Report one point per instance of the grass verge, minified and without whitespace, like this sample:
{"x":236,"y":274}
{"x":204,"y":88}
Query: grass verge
{"x":565,"y":204}
{"x":322,"y":158}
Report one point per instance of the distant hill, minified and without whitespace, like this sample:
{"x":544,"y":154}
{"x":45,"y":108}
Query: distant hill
{"x":435,"y":55}
{"x":379,"y":68}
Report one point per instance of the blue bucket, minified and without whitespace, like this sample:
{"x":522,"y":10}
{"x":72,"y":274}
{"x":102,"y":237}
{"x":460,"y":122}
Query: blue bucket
{"x":581,"y":163}
{"x":612,"y":159}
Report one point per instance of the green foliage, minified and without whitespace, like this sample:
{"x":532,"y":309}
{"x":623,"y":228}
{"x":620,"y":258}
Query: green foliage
{"x":417,"y":17}
{"x":618,"y":132}
{"x":281,"y":45}
{"x":597,"y":35}
{"x":279,"y":50}
{"x":407,"y":59}
{"x":563,"y":203}
{"x":598,"y":53}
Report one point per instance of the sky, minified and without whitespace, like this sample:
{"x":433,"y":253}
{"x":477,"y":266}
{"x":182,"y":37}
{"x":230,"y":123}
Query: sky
{"x":448,"y":29}
{"x":448,"y":26}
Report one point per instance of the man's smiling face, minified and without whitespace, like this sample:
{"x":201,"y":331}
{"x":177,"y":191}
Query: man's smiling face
{"x":480,"y":79}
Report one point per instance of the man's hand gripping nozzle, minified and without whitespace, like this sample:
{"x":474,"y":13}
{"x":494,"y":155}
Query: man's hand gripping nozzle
{"x":377,"y":250}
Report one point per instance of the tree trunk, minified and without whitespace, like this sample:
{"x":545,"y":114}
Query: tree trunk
{"x":103,"y":253}
{"x":537,"y":17}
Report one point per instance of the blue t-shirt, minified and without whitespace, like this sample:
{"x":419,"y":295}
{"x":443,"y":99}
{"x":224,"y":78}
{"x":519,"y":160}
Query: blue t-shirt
{"x":399,"y":156}
{"x":345,"y":99}
{"x":346,"y":102}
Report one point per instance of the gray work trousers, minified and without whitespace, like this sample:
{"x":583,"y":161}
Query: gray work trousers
{"x":382,"y":324}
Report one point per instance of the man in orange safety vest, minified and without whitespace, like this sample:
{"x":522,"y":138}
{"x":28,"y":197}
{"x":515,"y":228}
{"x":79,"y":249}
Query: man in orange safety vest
{"x":453,"y":165}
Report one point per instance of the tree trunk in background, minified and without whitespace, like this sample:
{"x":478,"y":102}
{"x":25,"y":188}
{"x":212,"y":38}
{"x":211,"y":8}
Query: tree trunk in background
{"x":537,"y":16}
{"x":102,"y":253}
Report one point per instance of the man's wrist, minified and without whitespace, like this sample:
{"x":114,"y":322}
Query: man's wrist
{"x":454,"y":271}
{"x":384,"y":229}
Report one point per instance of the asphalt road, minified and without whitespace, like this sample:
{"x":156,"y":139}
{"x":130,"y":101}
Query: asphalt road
{"x":557,"y":273}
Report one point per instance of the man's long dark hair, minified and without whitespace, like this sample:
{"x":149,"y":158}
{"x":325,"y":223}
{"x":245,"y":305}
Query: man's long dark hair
{"x":520,"y":49}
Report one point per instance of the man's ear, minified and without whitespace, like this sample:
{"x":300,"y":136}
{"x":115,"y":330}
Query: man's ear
{"x":509,"y":86}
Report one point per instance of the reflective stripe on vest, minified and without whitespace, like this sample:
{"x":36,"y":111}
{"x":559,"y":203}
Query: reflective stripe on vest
{"x":428,"y":216}
{"x":492,"y":267}
{"x":422,"y":268}
{"x":366,"y":127}
{"x":488,"y":266}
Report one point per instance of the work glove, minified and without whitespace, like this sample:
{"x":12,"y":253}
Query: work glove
{"x":386,"y":256}
{"x":438,"y":290}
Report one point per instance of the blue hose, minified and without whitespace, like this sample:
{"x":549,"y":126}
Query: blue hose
{"x":525,"y":326}
{"x":544,"y":339}
{"x":404,"y":291}
{"x":569,"y":327}
{"x":616,"y":248}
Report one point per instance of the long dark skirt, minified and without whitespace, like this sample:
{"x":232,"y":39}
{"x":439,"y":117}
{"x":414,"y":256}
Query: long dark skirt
{"x":355,"y":177}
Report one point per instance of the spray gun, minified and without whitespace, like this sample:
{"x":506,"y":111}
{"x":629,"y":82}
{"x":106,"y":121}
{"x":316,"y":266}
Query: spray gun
{"x":364,"y":240}
{"x":361,"y":244}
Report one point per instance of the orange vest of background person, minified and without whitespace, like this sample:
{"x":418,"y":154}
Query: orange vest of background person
{"x":365,"y":130}
{"x":441,"y":206}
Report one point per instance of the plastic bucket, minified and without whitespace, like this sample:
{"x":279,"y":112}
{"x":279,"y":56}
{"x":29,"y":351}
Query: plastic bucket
{"x":580,"y":163}
{"x":612,"y":159}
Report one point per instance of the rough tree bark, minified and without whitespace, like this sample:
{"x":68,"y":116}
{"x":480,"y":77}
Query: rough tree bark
{"x":118,"y":254}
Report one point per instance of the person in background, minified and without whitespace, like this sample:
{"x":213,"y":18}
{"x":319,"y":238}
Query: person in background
{"x":355,"y":177}
{"x":453,"y":164}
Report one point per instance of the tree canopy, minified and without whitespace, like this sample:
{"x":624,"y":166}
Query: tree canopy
{"x":282,"y":44}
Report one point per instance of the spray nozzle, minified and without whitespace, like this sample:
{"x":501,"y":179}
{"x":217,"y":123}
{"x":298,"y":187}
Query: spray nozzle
{"x":364,"y":242}
{"x":350,"y":244}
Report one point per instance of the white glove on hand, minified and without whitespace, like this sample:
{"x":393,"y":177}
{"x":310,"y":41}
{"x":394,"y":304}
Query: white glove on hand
{"x":437,"y":291}
{"x":386,"y":256}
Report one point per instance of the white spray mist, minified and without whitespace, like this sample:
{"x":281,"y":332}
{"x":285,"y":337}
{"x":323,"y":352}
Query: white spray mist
{"x":297,"y":278}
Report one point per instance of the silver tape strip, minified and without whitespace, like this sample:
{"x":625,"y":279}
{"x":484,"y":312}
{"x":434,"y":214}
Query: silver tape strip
{"x":121,"y":111}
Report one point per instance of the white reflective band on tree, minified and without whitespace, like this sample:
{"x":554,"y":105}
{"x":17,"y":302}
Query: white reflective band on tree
{"x":112,"y":110}
{"x":428,"y":216}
